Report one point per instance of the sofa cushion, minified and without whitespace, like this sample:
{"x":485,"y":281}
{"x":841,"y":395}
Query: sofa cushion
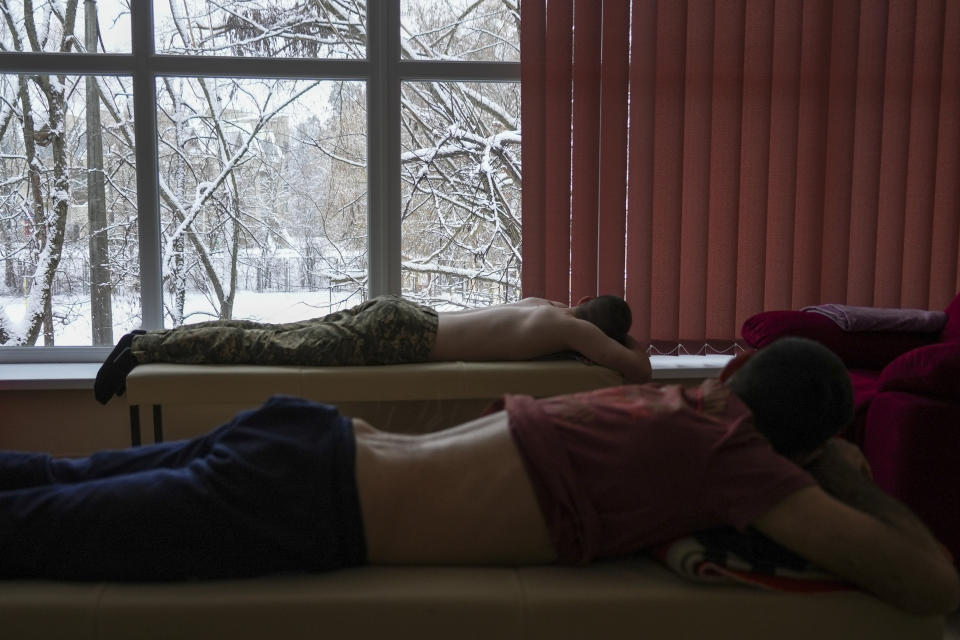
{"x":912,"y":447}
{"x":858,"y":350}
{"x":933,"y":370}
{"x":866,"y":383}
{"x":951,"y":332}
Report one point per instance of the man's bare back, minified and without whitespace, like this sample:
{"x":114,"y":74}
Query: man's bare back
{"x":423,"y":496}
{"x":529,"y":329}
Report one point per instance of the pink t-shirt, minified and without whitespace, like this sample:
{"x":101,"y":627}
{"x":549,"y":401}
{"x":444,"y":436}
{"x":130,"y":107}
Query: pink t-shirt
{"x":620,"y":469}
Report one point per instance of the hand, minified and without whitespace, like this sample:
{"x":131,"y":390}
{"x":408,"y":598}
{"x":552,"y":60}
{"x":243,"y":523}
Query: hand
{"x":845,"y":452}
{"x":714,"y":396}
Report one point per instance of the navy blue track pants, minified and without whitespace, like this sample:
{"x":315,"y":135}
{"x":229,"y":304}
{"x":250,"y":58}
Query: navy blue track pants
{"x":274,"y":490}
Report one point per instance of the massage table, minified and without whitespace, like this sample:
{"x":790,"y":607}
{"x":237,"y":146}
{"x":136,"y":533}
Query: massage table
{"x":634,"y":598}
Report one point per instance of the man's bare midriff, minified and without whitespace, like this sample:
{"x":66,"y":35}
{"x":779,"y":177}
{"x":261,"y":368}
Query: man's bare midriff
{"x":457,"y":496}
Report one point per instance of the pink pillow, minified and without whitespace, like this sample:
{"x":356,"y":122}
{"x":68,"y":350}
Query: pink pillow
{"x":933,"y":370}
{"x":858,"y":350}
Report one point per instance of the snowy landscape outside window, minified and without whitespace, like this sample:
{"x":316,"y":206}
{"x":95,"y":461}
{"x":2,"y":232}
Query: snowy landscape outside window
{"x":269,"y":160}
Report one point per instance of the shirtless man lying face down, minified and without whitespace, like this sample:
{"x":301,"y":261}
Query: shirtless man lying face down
{"x":391,"y":330}
{"x":295,"y":486}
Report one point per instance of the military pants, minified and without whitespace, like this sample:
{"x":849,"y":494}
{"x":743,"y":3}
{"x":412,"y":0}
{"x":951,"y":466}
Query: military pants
{"x":384,"y":330}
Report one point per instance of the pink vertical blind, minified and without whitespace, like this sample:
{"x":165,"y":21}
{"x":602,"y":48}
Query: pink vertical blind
{"x":710,"y":159}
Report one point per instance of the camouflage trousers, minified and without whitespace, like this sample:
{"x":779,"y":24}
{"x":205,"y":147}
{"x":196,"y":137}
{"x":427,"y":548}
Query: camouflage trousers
{"x":384,"y":330}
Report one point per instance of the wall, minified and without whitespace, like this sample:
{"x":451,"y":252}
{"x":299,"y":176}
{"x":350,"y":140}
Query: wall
{"x":62,"y":422}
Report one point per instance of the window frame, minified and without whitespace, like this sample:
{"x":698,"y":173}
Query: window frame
{"x":383,"y":71}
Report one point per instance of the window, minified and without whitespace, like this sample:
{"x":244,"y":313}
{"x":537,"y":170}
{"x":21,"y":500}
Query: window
{"x":252,"y":159}
{"x":460,"y":166}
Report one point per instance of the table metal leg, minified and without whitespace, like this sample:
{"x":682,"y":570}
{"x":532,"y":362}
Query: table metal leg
{"x":157,"y":423}
{"x":135,"y":425}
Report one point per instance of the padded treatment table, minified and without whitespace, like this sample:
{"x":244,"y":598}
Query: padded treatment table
{"x":409,"y":398}
{"x":632,"y":599}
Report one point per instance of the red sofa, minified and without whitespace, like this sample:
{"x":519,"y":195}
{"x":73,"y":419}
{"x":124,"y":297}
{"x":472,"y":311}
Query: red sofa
{"x":907,"y":395}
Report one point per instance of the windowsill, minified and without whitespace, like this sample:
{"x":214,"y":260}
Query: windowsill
{"x":47,"y":375}
{"x":684,"y":367}
{"x":80,"y":375}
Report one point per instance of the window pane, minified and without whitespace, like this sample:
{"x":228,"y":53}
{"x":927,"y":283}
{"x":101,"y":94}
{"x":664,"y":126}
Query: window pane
{"x":263,"y":198}
{"x":52,"y":19}
{"x":488,"y":30}
{"x":461,"y":192}
{"x":268,"y":28}
{"x":67,"y":203}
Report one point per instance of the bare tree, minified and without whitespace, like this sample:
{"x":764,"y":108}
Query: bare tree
{"x":461,"y":165}
{"x":264,"y":177}
{"x":210,"y":148}
{"x":101,"y":309}
{"x":41,"y":102}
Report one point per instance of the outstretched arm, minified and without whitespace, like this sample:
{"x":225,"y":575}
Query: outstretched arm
{"x":865,"y":536}
{"x":631,"y":360}
{"x":843,"y":472}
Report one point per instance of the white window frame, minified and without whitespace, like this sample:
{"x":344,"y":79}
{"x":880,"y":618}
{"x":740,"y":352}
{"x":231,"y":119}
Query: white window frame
{"x":383,"y":71}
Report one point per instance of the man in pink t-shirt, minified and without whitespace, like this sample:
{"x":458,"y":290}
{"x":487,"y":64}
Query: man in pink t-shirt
{"x":565,"y":479}
{"x":616,"y":470}
{"x":621,"y":469}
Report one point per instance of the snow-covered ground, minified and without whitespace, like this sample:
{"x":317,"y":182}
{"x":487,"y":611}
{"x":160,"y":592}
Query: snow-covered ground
{"x":72,"y":327}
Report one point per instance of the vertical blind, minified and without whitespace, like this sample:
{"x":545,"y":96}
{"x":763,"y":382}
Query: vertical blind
{"x":710,"y":159}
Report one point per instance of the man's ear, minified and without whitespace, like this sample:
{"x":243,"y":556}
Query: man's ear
{"x":584,"y":299}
